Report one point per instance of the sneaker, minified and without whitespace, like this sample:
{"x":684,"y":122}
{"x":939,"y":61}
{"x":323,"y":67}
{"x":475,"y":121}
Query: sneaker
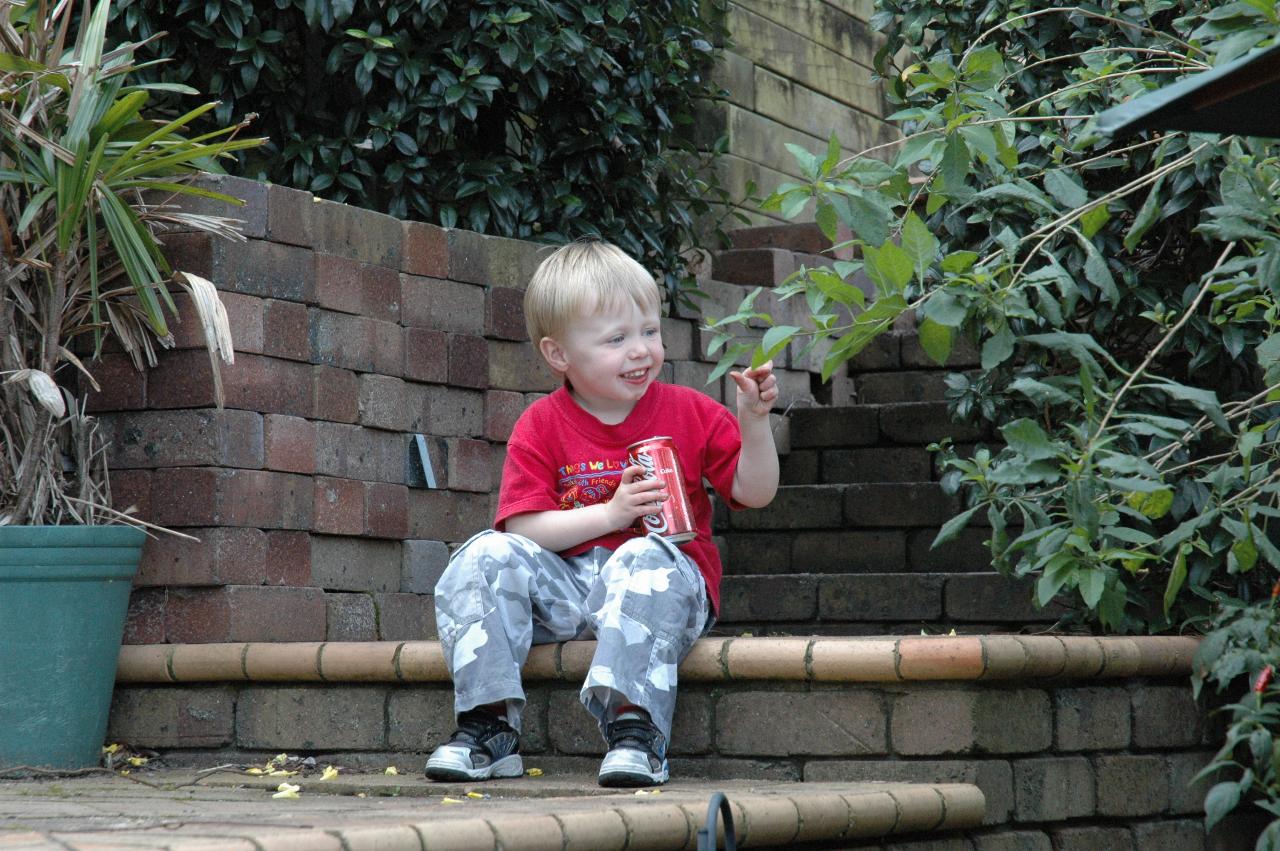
{"x":637,"y":753}
{"x":482,"y":747}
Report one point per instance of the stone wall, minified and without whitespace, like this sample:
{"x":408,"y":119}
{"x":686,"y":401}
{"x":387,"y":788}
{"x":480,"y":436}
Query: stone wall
{"x":796,"y":71}
{"x":354,"y":333}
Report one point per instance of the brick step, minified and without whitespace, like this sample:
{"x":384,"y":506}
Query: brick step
{"x":887,"y":425}
{"x":892,"y":505}
{"x":1069,"y":738}
{"x":856,"y":602}
{"x":902,"y":550}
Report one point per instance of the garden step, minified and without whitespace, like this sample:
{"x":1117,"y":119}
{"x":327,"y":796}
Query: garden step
{"x":825,"y":551}
{"x":851,"y":506}
{"x":806,"y":238}
{"x":899,"y":423}
{"x":862,"y":602}
{"x":374,"y":812}
{"x":1056,"y":731}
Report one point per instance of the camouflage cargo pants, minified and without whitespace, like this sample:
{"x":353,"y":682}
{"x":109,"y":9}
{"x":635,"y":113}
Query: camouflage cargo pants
{"x":645,"y":603}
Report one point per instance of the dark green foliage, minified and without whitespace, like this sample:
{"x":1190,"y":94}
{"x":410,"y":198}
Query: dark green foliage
{"x":526,"y":118}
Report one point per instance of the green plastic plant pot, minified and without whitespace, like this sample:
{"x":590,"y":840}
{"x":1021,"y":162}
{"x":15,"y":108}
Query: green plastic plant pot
{"x":64,"y":593}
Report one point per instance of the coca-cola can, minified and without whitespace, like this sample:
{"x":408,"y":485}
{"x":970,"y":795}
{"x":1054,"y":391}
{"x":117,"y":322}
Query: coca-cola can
{"x":660,"y":460}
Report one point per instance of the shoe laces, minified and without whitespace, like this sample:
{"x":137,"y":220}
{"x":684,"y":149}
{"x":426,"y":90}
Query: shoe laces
{"x":636,"y":731}
{"x":479,"y":725}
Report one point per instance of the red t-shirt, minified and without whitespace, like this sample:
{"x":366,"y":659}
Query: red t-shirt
{"x":561,"y":457}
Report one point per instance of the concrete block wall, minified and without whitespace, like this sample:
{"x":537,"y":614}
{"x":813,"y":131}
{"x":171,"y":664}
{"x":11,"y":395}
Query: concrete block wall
{"x":354,"y":332}
{"x":796,"y":72}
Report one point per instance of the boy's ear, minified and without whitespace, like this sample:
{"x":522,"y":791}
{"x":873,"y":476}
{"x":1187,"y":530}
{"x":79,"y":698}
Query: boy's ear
{"x":553,"y":353}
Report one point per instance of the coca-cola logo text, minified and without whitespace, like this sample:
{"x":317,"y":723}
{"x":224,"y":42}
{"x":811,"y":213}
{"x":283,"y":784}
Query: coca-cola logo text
{"x":653,"y":522}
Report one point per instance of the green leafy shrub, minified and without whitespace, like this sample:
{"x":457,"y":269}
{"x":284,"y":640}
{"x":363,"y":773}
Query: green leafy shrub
{"x":526,"y":118}
{"x":1123,"y":296}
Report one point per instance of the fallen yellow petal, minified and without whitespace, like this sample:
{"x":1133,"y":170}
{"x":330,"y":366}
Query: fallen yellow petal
{"x":477,"y":795}
{"x":254,"y":770}
{"x":362,"y":794}
{"x":124,"y":772}
{"x":287,"y":790}
{"x":391,"y":769}
{"x":534,"y":772}
{"x":450,"y":801}
{"x":136,"y":761}
{"x":111,"y":748}
{"x":329,"y":773}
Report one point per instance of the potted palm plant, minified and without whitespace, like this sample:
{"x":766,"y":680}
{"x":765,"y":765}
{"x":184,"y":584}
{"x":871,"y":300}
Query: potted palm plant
{"x":85,"y":184}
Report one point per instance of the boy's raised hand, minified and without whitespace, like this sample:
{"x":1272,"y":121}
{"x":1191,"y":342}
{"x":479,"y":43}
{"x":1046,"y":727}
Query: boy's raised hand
{"x":757,"y":390}
{"x":636,"y":496}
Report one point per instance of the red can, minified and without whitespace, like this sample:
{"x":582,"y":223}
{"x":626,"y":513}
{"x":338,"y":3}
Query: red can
{"x":660,"y":460}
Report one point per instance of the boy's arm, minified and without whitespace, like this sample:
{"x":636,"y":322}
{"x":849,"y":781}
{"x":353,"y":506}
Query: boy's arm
{"x":755,"y":481}
{"x":558,"y":530}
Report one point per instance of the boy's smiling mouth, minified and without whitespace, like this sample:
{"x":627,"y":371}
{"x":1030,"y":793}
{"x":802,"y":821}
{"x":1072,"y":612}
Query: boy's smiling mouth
{"x":636,"y":375}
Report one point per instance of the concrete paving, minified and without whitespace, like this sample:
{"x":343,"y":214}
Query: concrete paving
{"x":185,"y":809}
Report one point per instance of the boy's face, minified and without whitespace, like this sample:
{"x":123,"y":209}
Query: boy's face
{"x":610,"y":357}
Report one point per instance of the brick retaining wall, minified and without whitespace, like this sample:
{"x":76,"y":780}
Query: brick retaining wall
{"x":354,"y":331}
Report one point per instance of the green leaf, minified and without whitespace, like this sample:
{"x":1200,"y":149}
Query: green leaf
{"x":1246,"y":555}
{"x":1222,"y":799}
{"x":869,"y":215}
{"x":945,"y":308}
{"x":1065,"y":187}
{"x":1147,"y":216}
{"x":936,"y":340}
{"x":1095,"y":269}
{"x":1177,"y":576}
{"x":889,"y":267}
{"x":1091,"y":583}
{"x":775,"y":340}
{"x":955,"y":164}
{"x":953,"y":527}
{"x":959,"y":262}
{"x":1028,"y":439}
{"x":809,"y":164}
{"x":998,"y":348}
{"x":1092,"y":221}
{"x":919,"y":243}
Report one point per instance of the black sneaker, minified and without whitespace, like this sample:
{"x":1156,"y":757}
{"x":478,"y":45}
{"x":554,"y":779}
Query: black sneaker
{"x":637,"y":753}
{"x":482,"y":747}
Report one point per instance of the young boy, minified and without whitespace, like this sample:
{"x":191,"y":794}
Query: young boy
{"x":567,"y":559}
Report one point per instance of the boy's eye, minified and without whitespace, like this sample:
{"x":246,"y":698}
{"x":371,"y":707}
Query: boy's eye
{"x":651,"y":332}
{"x":615,"y":340}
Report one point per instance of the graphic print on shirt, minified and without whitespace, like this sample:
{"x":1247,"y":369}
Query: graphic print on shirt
{"x":588,"y":482}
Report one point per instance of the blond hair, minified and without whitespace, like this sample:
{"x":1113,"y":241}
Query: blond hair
{"x":581,"y":279}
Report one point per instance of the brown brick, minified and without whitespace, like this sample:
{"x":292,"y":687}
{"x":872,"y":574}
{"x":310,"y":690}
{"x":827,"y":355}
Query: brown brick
{"x":492,"y":260}
{"x":352,"y":617}
{"x":132,"y":489}
{"x":250,"y":214}
{"x":422,"y":565}
{"x":150,"y":439}
{"x":338,"y":283}
{"x":918,"y":423}
{"x":842,"y":427}
{"x":455,"y":412}
{"x":963,"y":354}
{"x":299,"y":718}
{"x":899,"y":504}
{"x":144,"y":623}
{"x":468,"y":361}
{"x":289,"y":215}
{"x":965,"y":553}
{"x":519,"y":367}
{"x":386,"y":513}
{"x":858,"y":551}
{"x":1131,"y":785}
{"x":504,"y":314}
{"x":416,"y":717}
{"x":1186,"y":794}
{"x":756,"y":267}
{"x":220,"y":556}
{"x":425,"y":250}
{"x":447,"y":515}
{"x":880,"y":597}
{"x":356,"y":233}
{"x":273,"y":613}
{"x":443,"y":305}
{"x":806,"y":237}
{"x":256,"y":267}
{"x":184,"y":379}
{"x":287,"y":332}
{"x":1013,"y":840}
{"x":1091,"y":719}
{"x":758,"y":553}
{"x":337,"y":394}
{"x":426,"y":355}
{"x":809,"y":507}
{"x":879,"y":464}
{"x":468,"y":465}
{"x":383,"y":402}
{"x":928,"y":721}
{"x":753,"y":599}
{"x":197,"y":496}
{"x":288,"y":559}
{"x":677,"y":338}
{"x":501,"y":410}
{"x":338,"y":339}
{"x":987,"y":597}
{"x":1093,"y":839}
{"x":993,"y":776}
{"x":347,"y":451}
{"x":290,"y":443}
{"x":189,"y":717}
{"x":1166,"y":717}
{"x":123,"y":388}
{"x":1170,"y":835}
{"x":355,"y":564}
{"x":380,"y":292}
{"x":1053,"y":789}
{"x":339,"y":506}
{"x":759,"y":723}
{"x":388,"y":347}
{"x":405,"y":617}
{"x":876,"y":388}
{"x":197,"y":616}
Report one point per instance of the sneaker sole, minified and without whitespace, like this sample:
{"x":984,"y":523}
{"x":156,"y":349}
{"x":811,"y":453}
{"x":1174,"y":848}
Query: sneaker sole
{"x":508,"y":766}
{"x":632,"y":779}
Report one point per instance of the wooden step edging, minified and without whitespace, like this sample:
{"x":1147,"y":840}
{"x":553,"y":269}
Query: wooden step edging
{"x":805,"y":659}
